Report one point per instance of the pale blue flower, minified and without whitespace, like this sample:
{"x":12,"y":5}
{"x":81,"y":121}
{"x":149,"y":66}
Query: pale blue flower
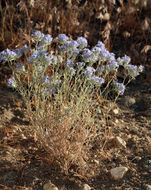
{"x":72,"y":54}
{"x":119,"y":87}
{"x":46,"y":40}
{"x":62,"y":49}
{"x":124,"y":60}
{"x":132,"y":70}
{"x":89,"y":56}
{"x":46,"y":79}
{"x":40,"y":57}
{"x":86,"y":50}
{"x":80,"y":64}
{"x":20,"y":67}
{"x":69,"y":63}
{"x":47,"y":92}
{"x":141,"y":68}
{"x":86,"y":55}
{"x":62,"y":38}
{"x":110,"y":56}
{"x":71,"y":45}
{"x":113,"y":65}
{"x":12,"y":83}
{"x":101,"y":45}
{"x":120,"y":60}
{"x":34,"y":57}
{"x":82,"y":42}
{"x":47,"y":60}
{"x":89,"y":71}
{"x":25,"y":49}
{"x":40,"y":68}
{"x":42,"y":47}
{"x":8,"y":55}
{"x":96,"y":50}
{"x":37,"y":35}
{"x":104,"y":54}
{"x":72,"y":70}
{"x":101,"y":69}
{"x":18,"y":52}
{"x":96,"y":79}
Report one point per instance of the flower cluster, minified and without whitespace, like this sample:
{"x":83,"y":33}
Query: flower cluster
{"x":37,"y":36}
{"x":12,"y":83}
{"x":9,"y":55}
{"x":46,"y":79}
{"x":46,"y":40}
{"x":113,"y":65}
{"x":62,"y":38}
{"x":97,"y":80}
{"x":25,"y":49}
{"x":89,"y":56}
{"x":89,"y":71}
{"x":82,"y":42}
{"x":102,"y":53}
{"x":124,"y":60}
{"x":132,"y":70}
{"x":119,"y":88}
{"x":70,"y":51}
{"x":20,"y":67}
{"x":40,"y":57}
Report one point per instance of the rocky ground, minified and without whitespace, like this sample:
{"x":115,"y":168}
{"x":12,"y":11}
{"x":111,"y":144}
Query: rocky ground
{"x":21,"y":166}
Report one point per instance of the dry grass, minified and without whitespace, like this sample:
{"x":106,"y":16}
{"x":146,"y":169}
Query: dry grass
{"x":67,"y":142}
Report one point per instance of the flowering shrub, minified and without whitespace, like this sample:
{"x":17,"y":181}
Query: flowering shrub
{"x":60,"y":90}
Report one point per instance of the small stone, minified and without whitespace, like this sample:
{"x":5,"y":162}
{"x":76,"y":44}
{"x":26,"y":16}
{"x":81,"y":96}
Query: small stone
{"x":128,"y":101}
{"x":116,"y":121}
{"x":147,"y":187}
{"x":145,"y":173}
{"x":106,"y":16}
{"x":138,"y":158}
{"x":120,"y":142}
{"x":85,"y":187}
{"x":96,"y":161}
{"x":117,"y":188}
{"x":118,"y":172}
{"x":49,"y":186}
{"x":115,"y":111}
